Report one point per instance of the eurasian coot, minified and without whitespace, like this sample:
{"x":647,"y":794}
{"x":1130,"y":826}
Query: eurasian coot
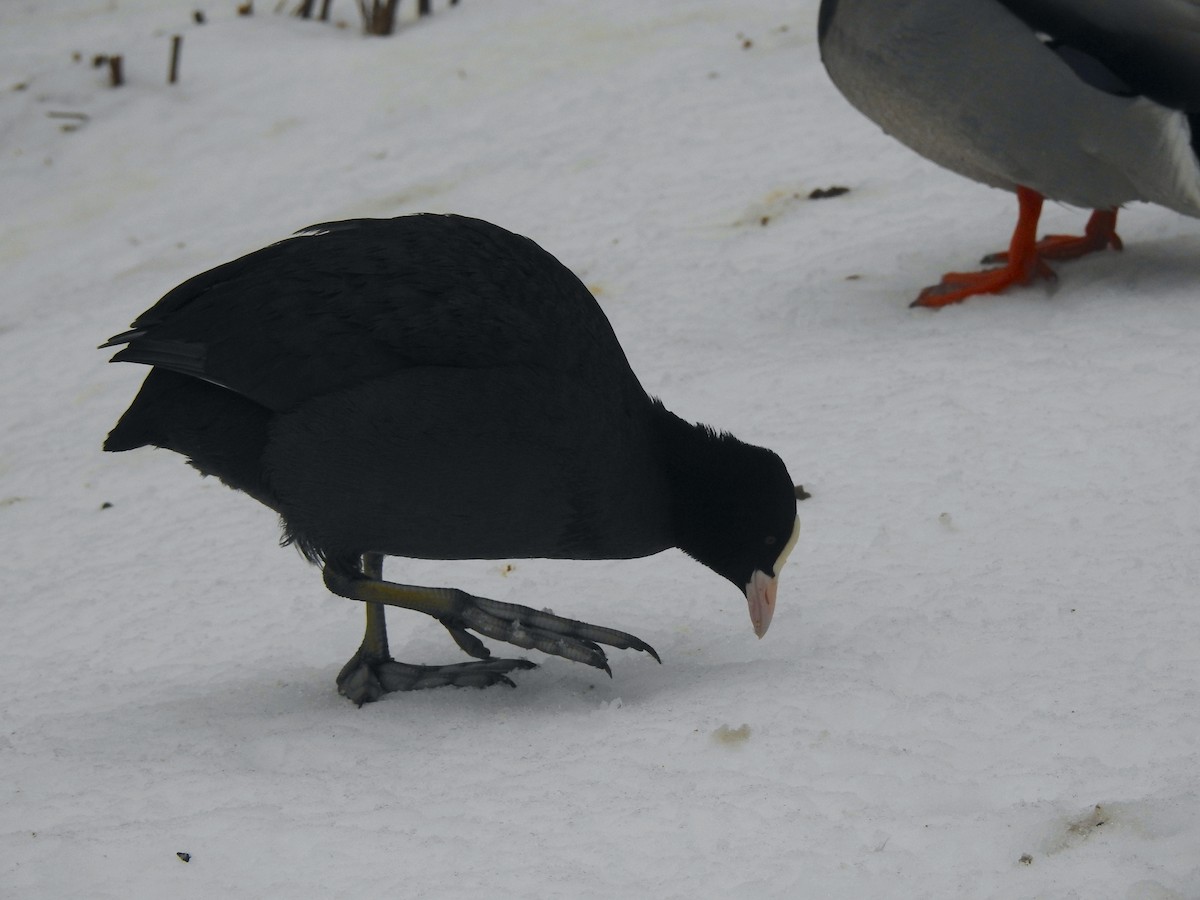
{"x":436,"y":387}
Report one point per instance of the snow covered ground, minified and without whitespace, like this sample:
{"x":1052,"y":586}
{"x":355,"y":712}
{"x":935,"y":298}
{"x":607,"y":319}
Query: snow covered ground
{"x":983,"y":679}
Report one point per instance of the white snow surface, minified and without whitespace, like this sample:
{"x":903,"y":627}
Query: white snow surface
{"x":983,"y":678}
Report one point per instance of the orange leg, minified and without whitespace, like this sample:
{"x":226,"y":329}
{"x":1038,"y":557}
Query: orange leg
{"x":1100,"y":234}
{"x":1026,"y":256}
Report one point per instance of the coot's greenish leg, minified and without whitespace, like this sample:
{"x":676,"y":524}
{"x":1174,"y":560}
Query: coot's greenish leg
{"x":372,"y":672}
{"x":459,"y":611}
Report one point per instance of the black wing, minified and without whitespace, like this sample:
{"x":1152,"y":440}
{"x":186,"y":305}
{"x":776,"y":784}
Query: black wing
{"x":1153,"y":46}
{"x":346,"y":302}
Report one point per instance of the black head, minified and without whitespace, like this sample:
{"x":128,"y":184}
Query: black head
{"x":735,"y":511}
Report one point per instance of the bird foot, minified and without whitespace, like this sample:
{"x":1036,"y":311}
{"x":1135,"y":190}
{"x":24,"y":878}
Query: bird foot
{"x":958,"y":286}
{"x":1026,"y":257}
{"x":1065,"y":246}
{"x":367,"y":677}
{"x":1099,"y":234}
{"x":536,"y":630}
{"x":462,"y":613}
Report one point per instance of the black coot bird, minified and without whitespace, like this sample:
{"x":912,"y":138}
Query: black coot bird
{"x":437,"y":387}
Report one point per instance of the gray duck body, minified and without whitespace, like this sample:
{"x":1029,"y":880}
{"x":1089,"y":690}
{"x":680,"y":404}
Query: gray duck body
{"x":1088,"y":102}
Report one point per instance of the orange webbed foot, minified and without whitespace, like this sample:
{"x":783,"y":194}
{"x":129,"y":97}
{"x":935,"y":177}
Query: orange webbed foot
{"x":1025,"y":259}
{"x":1100,"y":234}
{"x":958,"y":286}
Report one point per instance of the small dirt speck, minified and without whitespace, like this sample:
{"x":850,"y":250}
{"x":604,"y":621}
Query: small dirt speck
{"x":727,"y":735}
{"x":826,"y":193}
{"x":1089,"y":823}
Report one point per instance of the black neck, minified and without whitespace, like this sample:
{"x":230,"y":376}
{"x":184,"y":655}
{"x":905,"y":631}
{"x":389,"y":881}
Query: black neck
{"x":700,"y":463}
